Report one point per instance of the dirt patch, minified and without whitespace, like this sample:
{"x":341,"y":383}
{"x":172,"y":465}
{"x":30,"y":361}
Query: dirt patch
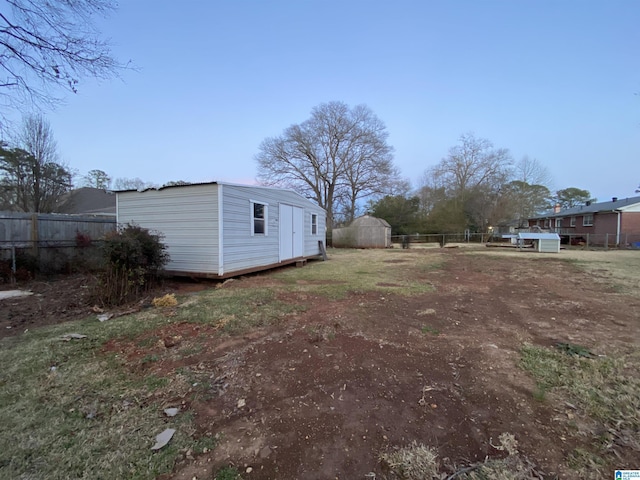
{"x":59,"y":300}
{"x":66,"y":298}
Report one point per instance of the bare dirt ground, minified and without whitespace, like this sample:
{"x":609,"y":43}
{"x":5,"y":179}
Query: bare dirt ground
{"x":322,"y":395}
{"x":53,"y":301}
{"x":63,"y":299}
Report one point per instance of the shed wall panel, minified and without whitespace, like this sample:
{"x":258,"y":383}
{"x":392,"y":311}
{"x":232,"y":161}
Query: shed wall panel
{"x":241,"y":249}
{"x":187,"y":217}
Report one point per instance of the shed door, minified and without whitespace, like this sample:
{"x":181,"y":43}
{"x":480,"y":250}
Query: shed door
{"x":291,"y":232}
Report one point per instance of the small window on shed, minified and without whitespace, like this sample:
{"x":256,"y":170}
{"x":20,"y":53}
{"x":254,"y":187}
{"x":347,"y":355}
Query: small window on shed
{"x":573,"y":222}
{"x":587,"y":220}
{"x":314,"y":224}
{"x":259,"y":218}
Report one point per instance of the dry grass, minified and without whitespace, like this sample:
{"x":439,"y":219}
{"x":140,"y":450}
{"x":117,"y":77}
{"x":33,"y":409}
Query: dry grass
{"x":352,"y":270}
{"x":604,"y":394}
{"x":418,"y":462}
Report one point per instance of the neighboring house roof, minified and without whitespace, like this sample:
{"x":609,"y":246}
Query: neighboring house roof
{"x":617,"y":205}
{"x":88,"y":201}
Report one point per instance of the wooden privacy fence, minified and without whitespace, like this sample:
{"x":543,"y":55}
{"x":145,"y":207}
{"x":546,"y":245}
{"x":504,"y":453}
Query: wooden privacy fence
{"x":50,"y":243}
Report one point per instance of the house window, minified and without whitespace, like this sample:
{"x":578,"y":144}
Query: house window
{"x":546,"y":223}
{"x":314,"y":224}
{"x":558,"y":223}
{"x":573,"y":222}
{"x":259,"y":218}
{"x":587,"y":220}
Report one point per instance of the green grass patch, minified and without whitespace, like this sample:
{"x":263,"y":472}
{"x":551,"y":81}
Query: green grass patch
{"x":235,"y":311}
{"x":351,"y":270}
{"x":228,"y":473}
{"x":429,"y":329}
{"x":71,"y":412}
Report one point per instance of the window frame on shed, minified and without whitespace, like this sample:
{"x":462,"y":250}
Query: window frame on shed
{"x":314,"y":224}
{"x":257,"y":220}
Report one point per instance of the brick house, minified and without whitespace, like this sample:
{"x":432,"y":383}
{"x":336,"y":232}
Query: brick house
{"x":614,"y":222}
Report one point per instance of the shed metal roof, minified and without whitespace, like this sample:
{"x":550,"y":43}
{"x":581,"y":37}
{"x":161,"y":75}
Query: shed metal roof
{"x":538,"y":236}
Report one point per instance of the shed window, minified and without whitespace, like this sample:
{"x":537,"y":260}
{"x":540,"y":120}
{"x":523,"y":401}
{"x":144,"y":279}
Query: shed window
{"x":587,"y":220}
{"x":259,"y":218}
{"x":573,"y":222}
{"x":314,"y":224}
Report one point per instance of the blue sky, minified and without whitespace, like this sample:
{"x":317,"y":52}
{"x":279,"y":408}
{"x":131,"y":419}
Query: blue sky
{"x":555,"y":80}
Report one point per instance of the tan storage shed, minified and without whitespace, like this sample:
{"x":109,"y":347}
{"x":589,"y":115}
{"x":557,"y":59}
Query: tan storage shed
{"x":364,"y":232}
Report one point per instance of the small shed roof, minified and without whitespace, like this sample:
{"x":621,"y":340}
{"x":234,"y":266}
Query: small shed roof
{"x":369,"y":221}
{"x":538,"y":236}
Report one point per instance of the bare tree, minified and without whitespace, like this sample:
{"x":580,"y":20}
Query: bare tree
{"x":47,"y":45}
{"x":529,"y":192}
{"x":97,"y":179}
{"x":531,"y":171}
{"x":337,"y":157}
{"x":28,"y":184}
{"x":473,"y":163}
{"x":471,"y":177}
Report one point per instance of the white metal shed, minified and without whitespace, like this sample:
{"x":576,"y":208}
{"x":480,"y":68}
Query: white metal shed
{"x":543,"y":242}
{"x":220,"y":230}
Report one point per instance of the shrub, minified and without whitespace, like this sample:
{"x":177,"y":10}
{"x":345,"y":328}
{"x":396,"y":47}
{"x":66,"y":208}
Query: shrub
{"x":134,"y":257}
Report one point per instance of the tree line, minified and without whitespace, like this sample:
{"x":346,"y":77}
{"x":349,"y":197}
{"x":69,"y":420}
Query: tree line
{"x":341,"y":160}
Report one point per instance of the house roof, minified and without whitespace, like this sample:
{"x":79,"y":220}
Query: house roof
{"x":619,"y":205}
{"x":87,"y":200}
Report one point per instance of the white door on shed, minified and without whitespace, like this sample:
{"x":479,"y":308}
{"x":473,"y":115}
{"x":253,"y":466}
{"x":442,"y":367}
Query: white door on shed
{"x":291,"y":232}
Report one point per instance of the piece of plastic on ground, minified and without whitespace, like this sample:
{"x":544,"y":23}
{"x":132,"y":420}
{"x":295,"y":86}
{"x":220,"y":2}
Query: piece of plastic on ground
{"x":14,"y":293}
{"x":163,"y":438}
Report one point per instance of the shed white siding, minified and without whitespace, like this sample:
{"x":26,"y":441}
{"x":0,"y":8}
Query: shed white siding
{"x":187,"y":217}
{"x":241,"y":250}
{"x":208,"y":228}
{"x":544,"y":242}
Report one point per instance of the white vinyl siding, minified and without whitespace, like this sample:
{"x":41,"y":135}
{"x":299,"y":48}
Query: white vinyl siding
{"x":187,"y":217}
{"x":210,"y":229}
